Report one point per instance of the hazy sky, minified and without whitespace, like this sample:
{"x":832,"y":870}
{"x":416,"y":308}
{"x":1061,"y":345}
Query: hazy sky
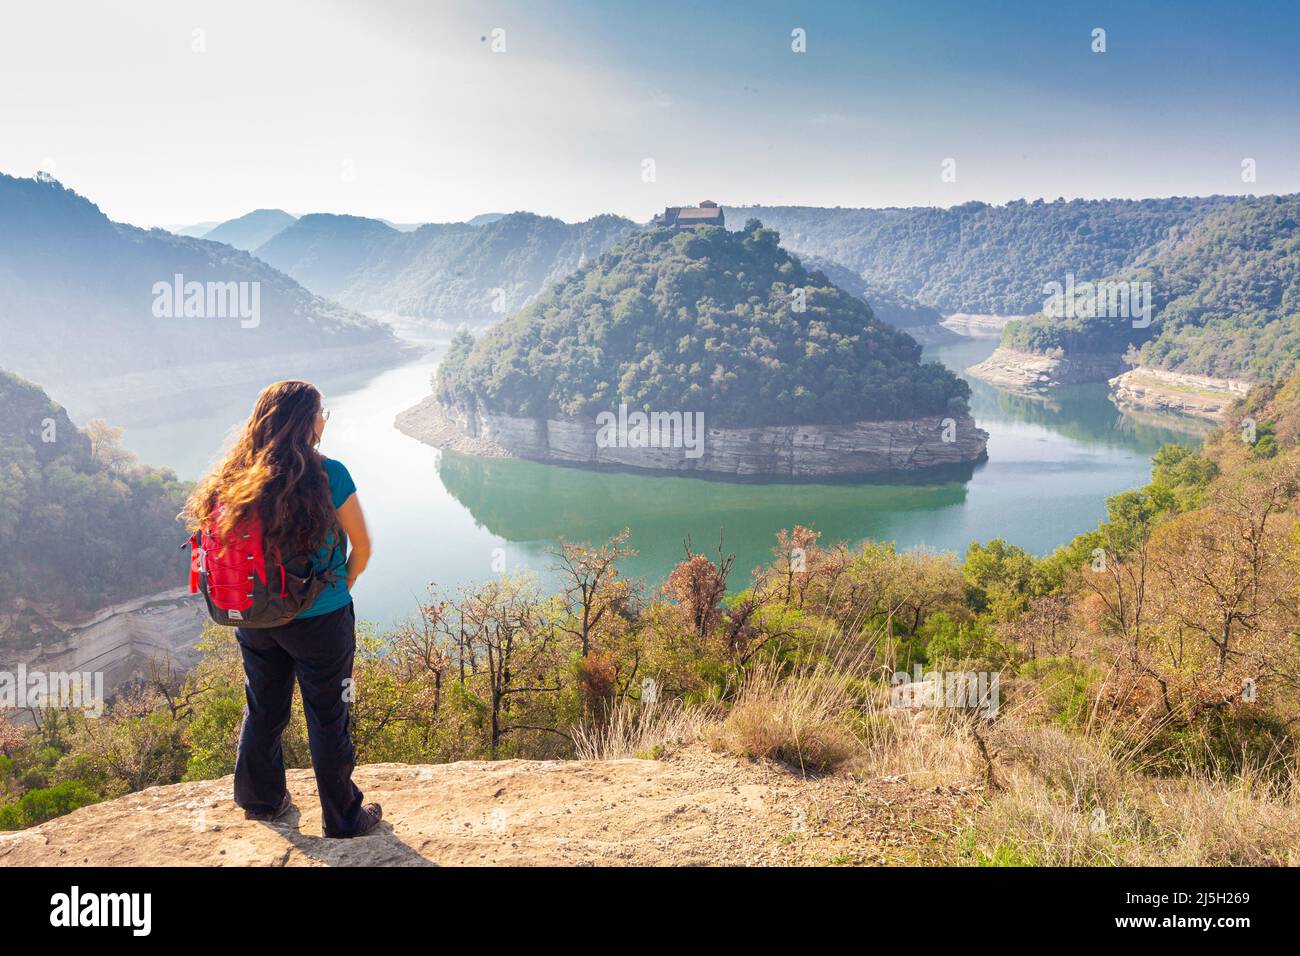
{"x":402,"y":110}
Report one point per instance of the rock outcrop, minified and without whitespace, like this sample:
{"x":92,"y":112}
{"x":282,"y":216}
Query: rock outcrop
{"x":1034,"y":372}
{"x":1197,"y":395}
{"x":121,"y":642}
{"x":781,"y":451}
{"x":694,"y":808}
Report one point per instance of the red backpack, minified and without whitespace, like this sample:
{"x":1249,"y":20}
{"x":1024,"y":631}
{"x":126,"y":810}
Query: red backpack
{"x":247,"y":584}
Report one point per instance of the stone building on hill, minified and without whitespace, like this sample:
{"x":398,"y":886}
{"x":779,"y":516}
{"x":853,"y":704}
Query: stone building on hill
{"x":707,"y":213}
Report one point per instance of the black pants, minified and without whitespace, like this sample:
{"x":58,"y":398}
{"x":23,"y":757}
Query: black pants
{"x":319,"y":651}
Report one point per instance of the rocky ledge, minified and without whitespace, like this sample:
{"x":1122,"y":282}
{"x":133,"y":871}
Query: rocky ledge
{"x":783,"y":451}
{"x":692,"y":808}
{"x":1197,"y":395}
{"x":1034,"y":372}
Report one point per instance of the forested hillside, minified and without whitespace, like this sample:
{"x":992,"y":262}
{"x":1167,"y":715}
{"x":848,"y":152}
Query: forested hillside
{"x":82,"y":524}
{"x":727,"y":323}
{"x":899,"y":311}
{"x":78,"y":297}
{"x":444,"y":273}
{"x":1226,"y":296}
{"x":978,"y":257}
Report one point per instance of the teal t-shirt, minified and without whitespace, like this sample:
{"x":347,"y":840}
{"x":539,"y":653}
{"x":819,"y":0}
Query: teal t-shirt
{"x":342,"y":487}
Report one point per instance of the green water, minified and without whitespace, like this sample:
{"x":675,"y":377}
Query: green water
{"x":453,"y":519}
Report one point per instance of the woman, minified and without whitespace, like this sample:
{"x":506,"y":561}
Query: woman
{"x":305,"y":501}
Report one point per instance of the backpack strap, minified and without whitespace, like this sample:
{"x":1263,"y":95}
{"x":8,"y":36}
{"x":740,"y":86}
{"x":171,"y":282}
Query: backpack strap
{"x":328,"y":573}
{"x":196,"y":560}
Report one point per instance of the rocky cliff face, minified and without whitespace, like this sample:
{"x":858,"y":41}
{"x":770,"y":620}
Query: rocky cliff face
{"x":121,"y":642}
{"x":787,"y":451}
{"x":1032,"y":372}
{"x":1197,"y":395}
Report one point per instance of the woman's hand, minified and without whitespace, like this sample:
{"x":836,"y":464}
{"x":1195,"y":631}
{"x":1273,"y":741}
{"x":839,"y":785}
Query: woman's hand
{"x":353,"y":523}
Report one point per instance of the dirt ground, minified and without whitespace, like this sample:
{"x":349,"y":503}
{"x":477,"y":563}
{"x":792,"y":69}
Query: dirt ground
{"x":693,"y":808}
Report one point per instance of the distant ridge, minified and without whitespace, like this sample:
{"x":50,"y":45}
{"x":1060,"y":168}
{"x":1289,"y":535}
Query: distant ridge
{"x":194,"y":230}
{"x":252,"y":229}
{"x":982,"y":258}
{"x":1225,"y":297}
{"x":443,"y":274}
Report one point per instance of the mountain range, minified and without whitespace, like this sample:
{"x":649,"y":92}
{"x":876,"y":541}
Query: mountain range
{"x":1222,"y":272}
{"x":977,"y":257}
{"x":443,"y":274}
{"x":86,"y":303}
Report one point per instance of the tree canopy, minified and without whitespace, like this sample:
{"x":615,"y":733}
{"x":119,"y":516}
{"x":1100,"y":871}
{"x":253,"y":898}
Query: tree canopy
{"x":983,"y":258}
{"x":727,"y":323}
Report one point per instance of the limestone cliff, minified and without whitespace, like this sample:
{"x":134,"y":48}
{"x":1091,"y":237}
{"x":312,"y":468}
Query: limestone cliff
{"x":1197,"y":395}
{"x":786,"y":451}
{"x":121,"y":642}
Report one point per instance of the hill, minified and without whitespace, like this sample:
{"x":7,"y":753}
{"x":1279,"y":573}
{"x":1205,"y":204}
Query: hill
{"x":1225,"y":292}
{"x":444,"y":274}
{"x":85,"y":303}
{"x":700,"y":321}
{"x":723,"y":335}
{"x":695,"y":808}
{"x":83,"y":525}
{"x":981,"y":258}
{"x":252,"y":229}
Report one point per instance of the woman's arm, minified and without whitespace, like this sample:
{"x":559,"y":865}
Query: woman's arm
{"x":353,"y":523}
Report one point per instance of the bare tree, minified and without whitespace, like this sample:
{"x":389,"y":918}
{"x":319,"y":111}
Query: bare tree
{"x":592,"y":584}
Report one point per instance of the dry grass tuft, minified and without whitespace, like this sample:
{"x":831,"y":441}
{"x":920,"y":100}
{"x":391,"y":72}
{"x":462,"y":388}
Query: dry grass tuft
{"x":635,"y":729}
{"x":798,"y":719}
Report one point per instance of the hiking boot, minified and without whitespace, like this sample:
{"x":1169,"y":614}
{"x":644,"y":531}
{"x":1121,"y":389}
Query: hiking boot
{"x":263,"y":816}
{"x":367,"y":820}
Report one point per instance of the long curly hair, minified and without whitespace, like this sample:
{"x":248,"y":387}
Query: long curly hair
{"x":274,"y":472}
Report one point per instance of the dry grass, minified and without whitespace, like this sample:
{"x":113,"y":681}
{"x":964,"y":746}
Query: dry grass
{"x":798,"y":719}
{"x":1079,"y":800}
{"x":930,"y":749}
{"x":1207,"y":823}
{"x":634,"y":729}
{"x":1064,"y":796}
